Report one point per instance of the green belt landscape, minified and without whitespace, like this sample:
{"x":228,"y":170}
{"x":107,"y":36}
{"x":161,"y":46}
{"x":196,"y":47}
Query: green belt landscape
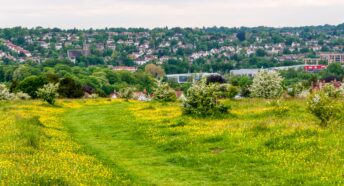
{"x":107,"y":142}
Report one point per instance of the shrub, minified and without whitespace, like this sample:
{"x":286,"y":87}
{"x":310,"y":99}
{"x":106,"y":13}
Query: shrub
{"x":279,"y":108}
{"x":164,"y":93}
{"x":297,"y":89}
{"x":5,"y":93}
{"x":202,"y":100}
{"x":30,"y":85}
{"x":228,"y":91}
{"x":267,"y":84}
{"x":322,"y":107}
{"x":232,"y":91}
{"x":331,"y":91}
{"x":126,"y":93}
{"x":215,"y":79}
{"x":22,"y":96}
{"x":69,"y":88}
{"x":48,"y":93}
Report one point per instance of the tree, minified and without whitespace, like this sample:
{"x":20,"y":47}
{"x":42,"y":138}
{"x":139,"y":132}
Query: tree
{"x":48,"y":93}
{"x":30,"y":85}
{"x":164,"y":93}
{"x":203,"y":100}
{"x":69,"y":88}
{"x":241,"y":35}
{"x":154,"y":70}
{"x":267,"y":84}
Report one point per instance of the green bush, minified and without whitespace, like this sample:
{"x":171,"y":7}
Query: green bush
{"x":203,"y":100}
{"x":322,"y":107}
{"x":279,"y":108}
{"x":48,"y":93}
{"x":164,"y":93}
{"x":31,"y":84}
{"x":69,"y":88}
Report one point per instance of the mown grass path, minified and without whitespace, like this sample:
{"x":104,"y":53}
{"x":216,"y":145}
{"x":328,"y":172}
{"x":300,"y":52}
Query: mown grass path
{"x":108,"y":131}
{"x":152,"y":144}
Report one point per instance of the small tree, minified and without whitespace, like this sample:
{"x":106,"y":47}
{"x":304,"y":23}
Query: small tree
{"x":267,"y":84}
{"x":322,"y":107}
{"x":48,"y":93}
{"x":164,"y":93}
{"x":126,"y":93}
{"x":202,"y":100}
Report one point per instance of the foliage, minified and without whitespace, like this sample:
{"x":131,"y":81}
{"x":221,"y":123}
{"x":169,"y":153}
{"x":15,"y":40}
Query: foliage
{"x":154,"y":70}
{"x":30,"y":85}
{"x":69,"y":88}
{"x":267,"y":84}
{"x":126,"y":93}
{"x":331,"y":91}
{"x":322,"y":106}
{"x":279,"y":108}
{"x":22,"y":96}
{"x":164,"y":93}
{"x":215,"y":79}
{"x":297,"y":89}
{"x":203,"y":100}
{"x":5,"y":93}
{"x":48,"y":93}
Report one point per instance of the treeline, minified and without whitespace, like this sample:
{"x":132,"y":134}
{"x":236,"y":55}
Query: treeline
{"x":73,"y":80}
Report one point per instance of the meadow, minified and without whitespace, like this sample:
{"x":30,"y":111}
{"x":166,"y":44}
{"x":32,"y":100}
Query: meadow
{"x":114,"y":142}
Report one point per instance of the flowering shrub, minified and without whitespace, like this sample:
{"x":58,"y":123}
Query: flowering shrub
{"x":22,"y":96}
{"x":267,"y":84}
{"x":202,"y":100}
{"x":48,"y":93}
{"x":322,"y":107}
{"x":5,"y":93}
{"x":331,"y":91}
{"x":126,"y":93}
{"x":164,"y":93}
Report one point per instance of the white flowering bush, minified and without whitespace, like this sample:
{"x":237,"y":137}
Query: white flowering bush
{"x":126,"y":93}
{"x":22,"y":96}
{"x":203,"y":100}
{"x":5,"y":93}
{"x":267,"y":84}
{"x":322,"y":106}
{"x":164,"y":93}
{"x":48,"y":93}
{"x":331,"y":91}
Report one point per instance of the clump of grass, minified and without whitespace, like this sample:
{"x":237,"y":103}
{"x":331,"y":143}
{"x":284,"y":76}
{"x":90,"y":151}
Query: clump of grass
{"x":179,"y":123}
{"x":149,"y":107}
{"x":30,"y":131}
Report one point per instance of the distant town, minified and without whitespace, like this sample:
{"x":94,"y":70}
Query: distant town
{"x":178,"y":50}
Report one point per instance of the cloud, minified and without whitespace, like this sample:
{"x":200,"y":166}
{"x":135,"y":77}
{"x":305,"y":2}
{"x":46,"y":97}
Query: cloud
{"x":159,"y":13}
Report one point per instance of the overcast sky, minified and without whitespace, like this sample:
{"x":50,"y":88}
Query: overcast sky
{"x":171,"y":13}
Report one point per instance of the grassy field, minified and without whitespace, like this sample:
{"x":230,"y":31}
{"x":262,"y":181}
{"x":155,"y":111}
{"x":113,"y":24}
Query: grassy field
{"x":108,"y":142}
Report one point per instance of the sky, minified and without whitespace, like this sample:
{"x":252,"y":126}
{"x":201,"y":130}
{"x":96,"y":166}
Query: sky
{"x":170,"y":13}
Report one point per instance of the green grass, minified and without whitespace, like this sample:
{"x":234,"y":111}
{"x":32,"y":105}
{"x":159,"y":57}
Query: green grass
{"x":153,"y":144}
